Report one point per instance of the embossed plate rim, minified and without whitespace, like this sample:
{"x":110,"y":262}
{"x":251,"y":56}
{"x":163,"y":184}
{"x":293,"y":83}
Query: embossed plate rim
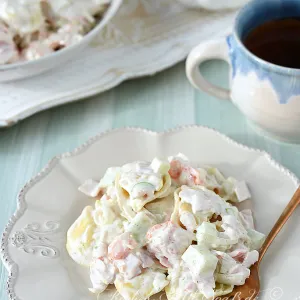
{"x":12,"y":267}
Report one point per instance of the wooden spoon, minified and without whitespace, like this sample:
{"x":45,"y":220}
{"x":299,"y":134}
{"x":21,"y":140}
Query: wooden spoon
{"x":252,"y":286}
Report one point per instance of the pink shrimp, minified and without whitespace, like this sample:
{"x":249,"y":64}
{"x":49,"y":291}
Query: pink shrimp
{"x":152,"y":229}
{"x":121,"y":247}
{"x":191,"y":175}
{"x":165,"y":262}
{"x":190,"y":287}
{"x":196,"y":176}
{"x":167,"y":242}
{"x":238,"y":255}
{"x":175,"y":169}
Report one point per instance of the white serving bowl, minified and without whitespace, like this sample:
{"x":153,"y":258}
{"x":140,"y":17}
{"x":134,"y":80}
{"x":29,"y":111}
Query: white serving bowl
{"x":27,"y":69}
{"x":214,"y":4}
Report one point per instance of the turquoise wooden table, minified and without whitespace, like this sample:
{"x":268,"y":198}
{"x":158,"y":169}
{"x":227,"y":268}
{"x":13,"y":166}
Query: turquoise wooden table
{"x":160,"y":102}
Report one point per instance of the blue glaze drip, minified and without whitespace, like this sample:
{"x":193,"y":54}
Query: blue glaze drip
{"x":286,"y":85}
{"x":232,"y":54}
{"x":285,"y":81}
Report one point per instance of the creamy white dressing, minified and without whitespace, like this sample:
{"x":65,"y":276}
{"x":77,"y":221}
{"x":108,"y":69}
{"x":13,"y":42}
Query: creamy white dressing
{"x":202,"y":264}
{"x":203,"y":200}
{"x":182,"y":285}
{"x":106,"y":211}
{"x":100,"y":250}
{"x":188,"y":221}
{"x":207,"y":248}
{"x":168,"y":242}
{"x":92,"y":188}
{"x":107,"y":233}
{"x":102,"y":273}
{"x":233,"y":228}
{"x":143,"y":286}
{"x":140,"y":180}
{"x":128,"y":256}
{"x":129,"y":267}
{"x":231,"y":272}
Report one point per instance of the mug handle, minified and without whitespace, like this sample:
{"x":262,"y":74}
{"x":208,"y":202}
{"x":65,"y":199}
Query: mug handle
{"x":216,"y":49}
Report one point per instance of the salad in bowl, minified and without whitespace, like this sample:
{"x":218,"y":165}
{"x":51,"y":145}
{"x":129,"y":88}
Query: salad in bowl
{"x":165,"y":226}
{"x":36,"y":35}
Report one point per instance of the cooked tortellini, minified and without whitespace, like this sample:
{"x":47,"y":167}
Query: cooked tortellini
{"x":165,"y":226}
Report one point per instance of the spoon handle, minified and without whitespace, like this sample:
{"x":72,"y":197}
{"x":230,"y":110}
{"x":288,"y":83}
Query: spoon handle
{"x":295,"y":201}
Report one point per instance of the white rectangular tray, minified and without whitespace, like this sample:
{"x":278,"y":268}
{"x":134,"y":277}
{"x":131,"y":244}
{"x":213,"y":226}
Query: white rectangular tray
{"x":145,"y":37}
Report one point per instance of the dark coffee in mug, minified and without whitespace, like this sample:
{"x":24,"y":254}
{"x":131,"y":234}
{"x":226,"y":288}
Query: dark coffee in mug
{"x":277,"y":42}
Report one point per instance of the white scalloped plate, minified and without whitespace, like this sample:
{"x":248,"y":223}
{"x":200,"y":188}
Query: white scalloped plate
{"x":33,"y":243}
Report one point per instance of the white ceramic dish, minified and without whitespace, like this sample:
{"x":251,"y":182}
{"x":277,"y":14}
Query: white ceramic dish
{"x":152,"y":35}
{"x":214,"y":4}
{"x":30,"y":68}
{"x":33,"y":243}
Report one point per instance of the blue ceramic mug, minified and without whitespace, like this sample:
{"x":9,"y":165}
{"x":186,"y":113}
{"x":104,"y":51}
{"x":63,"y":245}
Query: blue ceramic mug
{"x":268,"y":94}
